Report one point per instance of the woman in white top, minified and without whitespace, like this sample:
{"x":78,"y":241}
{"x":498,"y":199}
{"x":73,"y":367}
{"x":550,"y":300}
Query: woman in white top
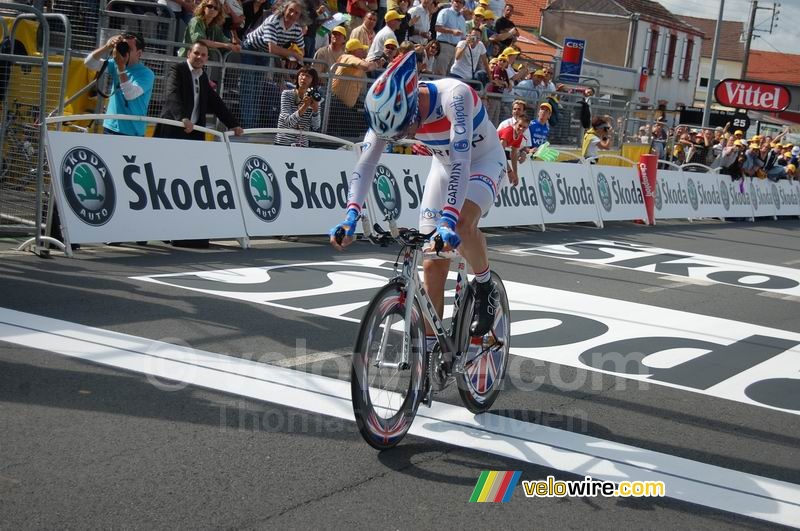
{"x":470,"y":59}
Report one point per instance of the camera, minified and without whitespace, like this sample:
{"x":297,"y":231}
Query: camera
{"x":123,"y":48}
{"x":314,"y":93}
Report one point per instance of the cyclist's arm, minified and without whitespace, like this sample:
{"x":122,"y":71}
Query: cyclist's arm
{"x":459,"y":108}
{"x":364,"y":171}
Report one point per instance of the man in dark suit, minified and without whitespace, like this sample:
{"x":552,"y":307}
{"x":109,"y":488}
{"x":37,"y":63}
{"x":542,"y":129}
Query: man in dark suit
{"x":190,"y":97}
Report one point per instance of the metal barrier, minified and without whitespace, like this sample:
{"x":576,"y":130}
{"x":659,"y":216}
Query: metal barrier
{"x":32,"y":82}
{"x":153,"y":21}
{"x":84,"y":18}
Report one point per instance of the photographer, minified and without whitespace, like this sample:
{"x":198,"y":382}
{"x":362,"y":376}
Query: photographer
{"x":300,"y":108}
{"x":470,"y":59}
{"x":131,"y":82}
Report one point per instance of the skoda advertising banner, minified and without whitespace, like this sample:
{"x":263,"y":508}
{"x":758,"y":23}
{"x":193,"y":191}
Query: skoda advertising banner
{"x":517,"y":205}
{"x":288,"y":190}
{"x":567,"y":192}
{"x":619,"y":193}
{"x":119,"y":188}
{"x":672,"y":199}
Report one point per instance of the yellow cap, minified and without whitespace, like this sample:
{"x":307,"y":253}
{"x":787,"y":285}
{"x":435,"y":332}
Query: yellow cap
{"x":488,"y":14}
{"x":539,"y":72}
{"x":754,"y":145}
{"x":340,"y":30}
{"x":479,"y":12}
{"x":739,"y":132}
{"x":738,"y":143}
{"x":392,"y":42}
{"x":511,"y":51}
{"x":545,"y":105}
{"x":791,"y":168}
{"x":354,"y":45}
{"x":392,"y":15}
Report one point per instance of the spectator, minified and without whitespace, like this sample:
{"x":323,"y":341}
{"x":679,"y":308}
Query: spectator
{"x":470,"y":59}
{"x":526,"y":89}
{"x":596,"y":138}
{"x":505,"y":30}
{"x":206,"y":26}
{"x":346,"y":92}
{"x":190,"y":97}
{"x":791,"y":172}
{"x":281,"y":35}
{"x":658,"y":145}
{"x":315,"y":13}
{"x":421,"y":21}
{"x":330,"y":54}
{"x":450,"y":29}
{"x":390,"y":50}
{"x":234,"y":19}
{"x":479,"y":21}
{"x":774,"y":170}
{"x":183,"y":10}
{"x":392,"y":19}
{"x":365,"y":33}
{"x":133,"y":79}
{"x":358,"y":10}
{"x":512,"y":137}
{"x":255,"y":11}
{"x":403,"y":30}
{"x":539,"y":129}
{"x":727,"y":162}
{"x":300,"y":108}
{"x":518,"y":109}
{"x":430,"y":53}
{"x":498,"y":84}
{"x":753,"y":165}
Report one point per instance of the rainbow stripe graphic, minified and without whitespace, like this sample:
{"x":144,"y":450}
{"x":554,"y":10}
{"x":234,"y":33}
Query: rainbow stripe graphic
{"x":494,"y":486}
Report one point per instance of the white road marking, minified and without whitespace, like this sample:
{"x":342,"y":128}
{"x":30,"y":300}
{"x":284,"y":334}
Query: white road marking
{"x":307,"y":359}
{"x":686,"y":480}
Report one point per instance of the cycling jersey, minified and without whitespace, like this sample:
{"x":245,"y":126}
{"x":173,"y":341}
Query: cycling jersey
{"x":538,"y":132}
{"x":463,"y":143}
{"x":526,"y":140}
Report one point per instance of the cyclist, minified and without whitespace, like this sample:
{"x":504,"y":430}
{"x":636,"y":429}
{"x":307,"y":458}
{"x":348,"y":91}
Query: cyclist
{"x":468,"y":164}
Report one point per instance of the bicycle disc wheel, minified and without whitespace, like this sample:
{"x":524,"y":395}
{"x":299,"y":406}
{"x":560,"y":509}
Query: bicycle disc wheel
{"x":385,"y":381}
{"x":485,"y":358}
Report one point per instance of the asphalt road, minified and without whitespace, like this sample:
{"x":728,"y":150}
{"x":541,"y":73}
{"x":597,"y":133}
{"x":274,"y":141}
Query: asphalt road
{"x":91,"y":436}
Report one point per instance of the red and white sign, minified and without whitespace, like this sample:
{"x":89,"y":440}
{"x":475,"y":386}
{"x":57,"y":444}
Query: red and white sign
{"x":742,"y":94}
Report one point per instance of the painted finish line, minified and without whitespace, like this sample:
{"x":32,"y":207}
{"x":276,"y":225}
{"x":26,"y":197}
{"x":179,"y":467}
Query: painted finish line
{"x":685,"y":480}
{"x":716,"y":357}
{"x":667,"y":262}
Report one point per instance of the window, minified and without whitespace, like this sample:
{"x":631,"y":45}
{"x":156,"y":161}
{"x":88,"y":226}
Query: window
{"x":683,"y":59}
{"x":704,"y":82}
{"x":687,"y":65}
{"x":652,"y":50}
{"x":669,"y":55}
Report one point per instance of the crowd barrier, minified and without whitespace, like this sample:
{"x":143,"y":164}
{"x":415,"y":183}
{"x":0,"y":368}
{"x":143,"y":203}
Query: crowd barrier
{"x":114,"y":188}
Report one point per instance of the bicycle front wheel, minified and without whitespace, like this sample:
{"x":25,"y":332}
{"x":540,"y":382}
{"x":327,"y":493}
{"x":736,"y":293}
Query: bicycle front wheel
{"x":485,"y":358}
{"x":388,"y":374}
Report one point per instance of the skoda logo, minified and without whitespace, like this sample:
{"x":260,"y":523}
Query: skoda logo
{"x":548,"y":192}
{"x":88,"y":186}
{"x":692,"y":191}
{"x":261,"y":188}
{"x":724,"y":195}
{"x":753,"y":194}
{"x":776,"y":198}
{"x":604,"y":191}
{"x":386,"y":192}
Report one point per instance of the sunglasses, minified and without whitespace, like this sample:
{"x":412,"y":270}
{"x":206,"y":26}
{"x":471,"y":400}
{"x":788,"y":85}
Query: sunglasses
{"x":209,"y":6}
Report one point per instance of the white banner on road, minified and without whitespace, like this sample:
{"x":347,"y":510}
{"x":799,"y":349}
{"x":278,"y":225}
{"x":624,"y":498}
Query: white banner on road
{"x":120,"y":188}
{"x":619,"y":193}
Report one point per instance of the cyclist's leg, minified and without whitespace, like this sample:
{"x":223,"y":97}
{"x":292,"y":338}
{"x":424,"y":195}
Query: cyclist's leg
{"x":434,"y":271}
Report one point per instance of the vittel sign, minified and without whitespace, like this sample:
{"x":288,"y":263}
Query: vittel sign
{"x":742,"y":94}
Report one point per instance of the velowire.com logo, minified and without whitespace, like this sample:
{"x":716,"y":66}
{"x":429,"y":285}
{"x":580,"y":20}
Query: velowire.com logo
{"x":88,"y":186}
{"x":495,"y":486}
{"x":261,"y":189}
{"x":386,"y":192}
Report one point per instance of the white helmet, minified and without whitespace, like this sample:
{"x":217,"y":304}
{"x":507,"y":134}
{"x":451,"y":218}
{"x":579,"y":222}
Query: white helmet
{"x":391,"y":102}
